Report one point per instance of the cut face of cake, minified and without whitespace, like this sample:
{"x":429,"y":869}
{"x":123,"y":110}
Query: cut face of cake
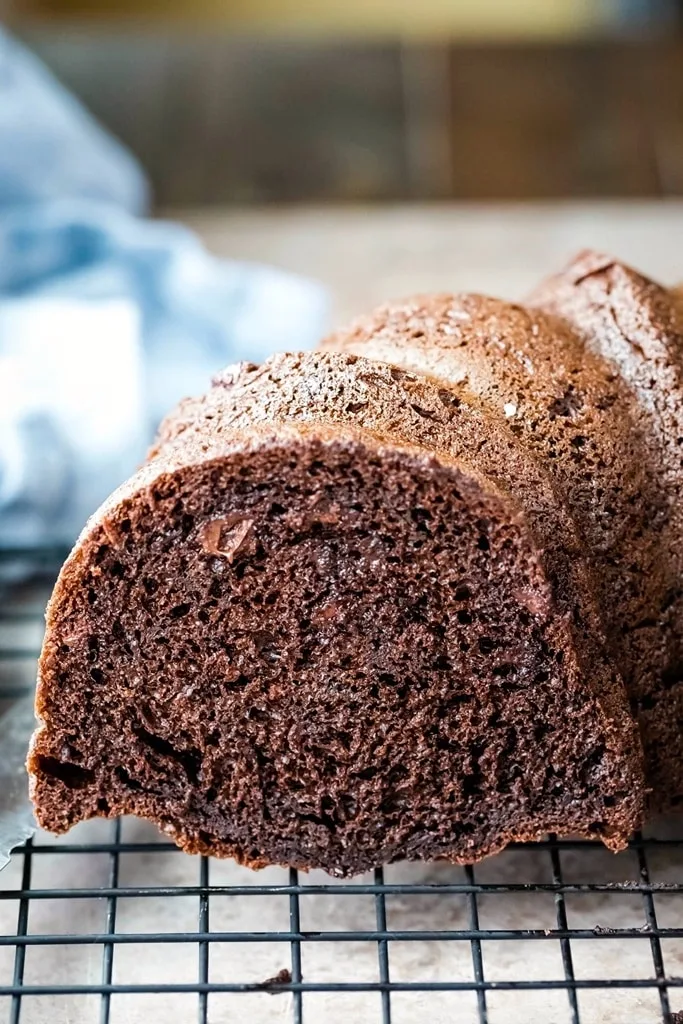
{"x":588,"y":377}
{"x":341,"y":617}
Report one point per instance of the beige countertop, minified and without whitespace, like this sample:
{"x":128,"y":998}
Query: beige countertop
{"x":366,"y":255}
{"x":363,"y":257}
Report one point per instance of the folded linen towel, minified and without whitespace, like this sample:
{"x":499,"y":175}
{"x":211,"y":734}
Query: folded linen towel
{"x":106,"y":318}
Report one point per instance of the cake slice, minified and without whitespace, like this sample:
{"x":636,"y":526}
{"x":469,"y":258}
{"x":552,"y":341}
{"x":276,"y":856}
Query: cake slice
{"x":636,"y":327}
{"x":603,"y":415}
{"x":339,"y":618}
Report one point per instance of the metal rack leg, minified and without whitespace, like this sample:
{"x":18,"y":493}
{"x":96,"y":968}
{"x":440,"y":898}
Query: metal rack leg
{"x":565,"y":946}
{"x":108,"y":948}
{"x":203,"y":925}
{"x":22,"y":929}
{"x":382,"y":947}
{"x":651,"y":920}
{"x":477,"y":959}
{"x":295,"y":929}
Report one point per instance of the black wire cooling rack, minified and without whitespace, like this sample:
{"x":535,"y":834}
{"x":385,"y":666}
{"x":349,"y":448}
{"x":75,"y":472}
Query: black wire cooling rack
{"x":432,"y":943}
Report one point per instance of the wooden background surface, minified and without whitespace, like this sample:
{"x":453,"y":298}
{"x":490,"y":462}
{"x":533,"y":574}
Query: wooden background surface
{"x":218,"y":118}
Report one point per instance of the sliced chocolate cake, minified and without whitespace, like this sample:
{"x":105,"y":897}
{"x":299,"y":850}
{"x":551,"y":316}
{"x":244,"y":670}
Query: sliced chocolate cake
{"x":636,"y":326}
{"x":584,"y":410}
{"x":368,"y":603}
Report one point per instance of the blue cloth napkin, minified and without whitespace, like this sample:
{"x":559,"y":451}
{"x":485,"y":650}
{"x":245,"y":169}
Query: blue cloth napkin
{"x":106,"y":319}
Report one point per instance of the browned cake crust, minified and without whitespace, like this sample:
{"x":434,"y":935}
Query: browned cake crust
{"x":636,"y":326}
{"x":341,"y":617}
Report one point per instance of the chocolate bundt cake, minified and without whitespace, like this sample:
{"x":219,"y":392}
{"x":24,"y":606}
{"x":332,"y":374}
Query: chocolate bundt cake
{"x":411,"y":596}
{"x":636,"y":327}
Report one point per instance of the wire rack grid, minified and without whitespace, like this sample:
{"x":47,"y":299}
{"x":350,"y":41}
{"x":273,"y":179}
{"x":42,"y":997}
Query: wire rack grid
{"x":544,"y":932}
